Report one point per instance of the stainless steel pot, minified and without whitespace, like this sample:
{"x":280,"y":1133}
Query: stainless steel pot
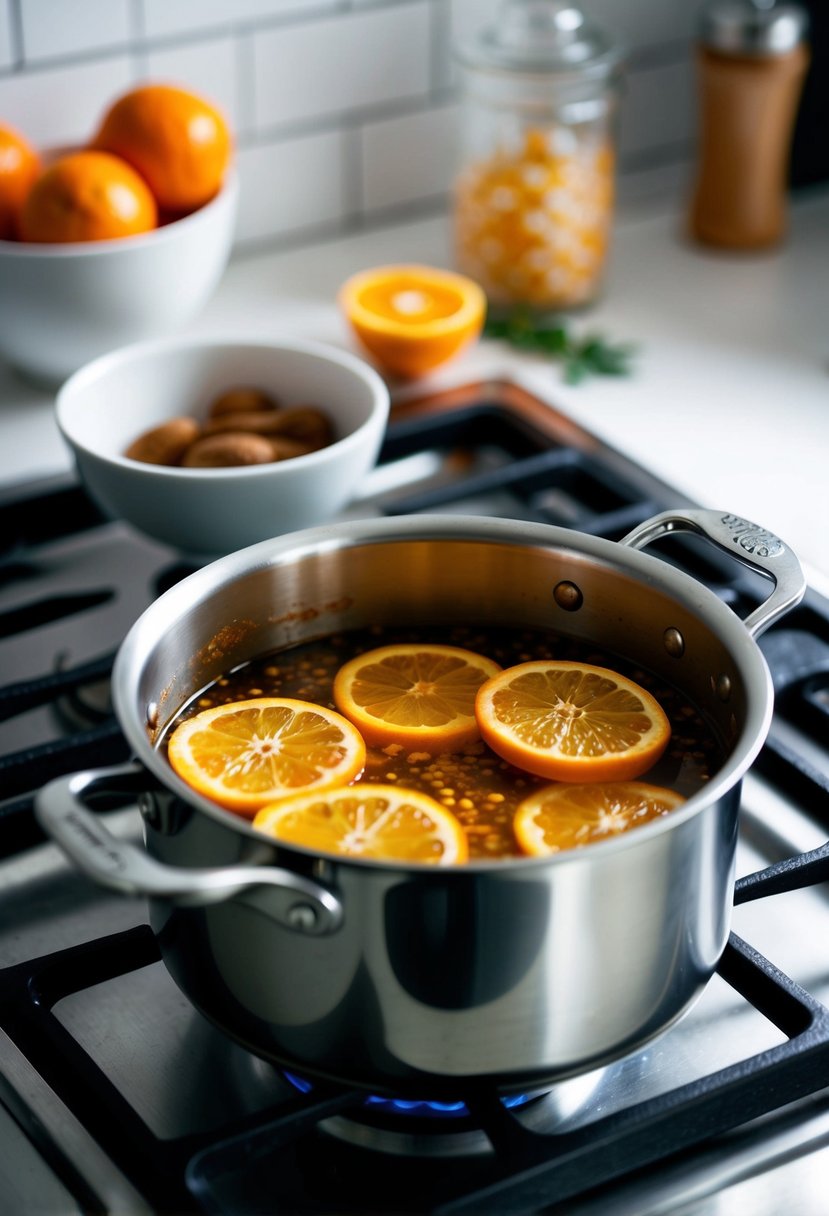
{"x":419,"y":980}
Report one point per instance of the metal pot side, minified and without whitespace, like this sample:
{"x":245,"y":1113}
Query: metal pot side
{"x":502,"y":972}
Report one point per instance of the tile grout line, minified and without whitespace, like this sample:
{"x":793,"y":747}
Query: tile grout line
{"x":245,"y":84}
{"x":16,"y":35}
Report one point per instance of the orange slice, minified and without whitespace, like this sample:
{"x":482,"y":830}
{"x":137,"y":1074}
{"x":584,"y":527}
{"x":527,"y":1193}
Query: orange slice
{"x":571,"y":721}
{"x":248,"y":753}
{"x":418,"y":695}
{"x":560,"y":817}
{"x":413,"y":318}
{"x":382,"y":822}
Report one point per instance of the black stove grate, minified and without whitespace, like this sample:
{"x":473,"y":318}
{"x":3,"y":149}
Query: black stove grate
{"x":282,"y":1156}
{"x":482,"y":457}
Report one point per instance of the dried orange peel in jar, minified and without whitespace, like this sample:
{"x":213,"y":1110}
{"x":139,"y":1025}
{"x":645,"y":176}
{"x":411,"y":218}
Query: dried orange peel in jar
{"x":413,"y":318}
{"x":532,"y":221}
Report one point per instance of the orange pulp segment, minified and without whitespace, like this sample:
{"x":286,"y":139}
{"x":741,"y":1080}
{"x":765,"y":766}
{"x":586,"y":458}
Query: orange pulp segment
{"x":560,"y":817}
{"x":381,"y":822}
{"x":421,"y":696}
{"x":571,"y":721}
{"x":413,"y":318}
{"x":249,"y":753}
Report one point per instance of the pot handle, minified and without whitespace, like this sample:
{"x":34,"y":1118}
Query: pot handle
{"x":60,"y":808}
{"x":754,"y":546}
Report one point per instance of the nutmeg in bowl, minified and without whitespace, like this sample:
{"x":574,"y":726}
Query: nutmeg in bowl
{"x":167,"y":436}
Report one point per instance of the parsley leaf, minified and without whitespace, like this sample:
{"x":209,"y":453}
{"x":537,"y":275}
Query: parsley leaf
{"x":581,"y":357}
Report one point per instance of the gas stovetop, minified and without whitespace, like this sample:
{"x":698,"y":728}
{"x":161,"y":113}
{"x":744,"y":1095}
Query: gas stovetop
{"x":117,"y":1096}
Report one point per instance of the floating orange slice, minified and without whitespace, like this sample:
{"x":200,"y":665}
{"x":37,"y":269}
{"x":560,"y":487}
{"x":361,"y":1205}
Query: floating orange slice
{"x":560,"y":817}
{"x":571,"y":721}
{"x":420,"y":696}
{"x":249,"y":753}
{"x":413,"y":318}
{"x":382,"y":822}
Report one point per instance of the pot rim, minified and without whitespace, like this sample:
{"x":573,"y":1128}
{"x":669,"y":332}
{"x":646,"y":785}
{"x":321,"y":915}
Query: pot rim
{"x":291,"y":547}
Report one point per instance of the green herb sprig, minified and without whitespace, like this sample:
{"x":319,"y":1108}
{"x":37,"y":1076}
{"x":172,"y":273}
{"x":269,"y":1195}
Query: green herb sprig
{"x":589,"y":355}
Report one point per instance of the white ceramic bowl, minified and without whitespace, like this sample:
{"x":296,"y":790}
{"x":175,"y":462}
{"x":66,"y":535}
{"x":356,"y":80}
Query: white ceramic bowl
{"x":108,"y":403}
{"x":62,"y":305}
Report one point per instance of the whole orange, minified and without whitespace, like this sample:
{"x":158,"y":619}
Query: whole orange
{"x":178,"y":142}
{"x":19,"y":166}
{"x":87,"y":196}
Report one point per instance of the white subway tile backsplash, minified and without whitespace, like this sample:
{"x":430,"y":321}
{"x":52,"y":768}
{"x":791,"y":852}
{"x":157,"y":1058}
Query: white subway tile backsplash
{"x":6,"y":42}
{"x":658,"y":108}
{"x":291,"y":185}
{"x":342,"y":108}
{"x":466,"y":18}
{"x":162,"y":17}
{"x":48,"y":31}
{"x":643,"y":23}
{"x":63,"y":105}
{"x":409,"y":158}
{"x":337,"y":64}
{"x":636,"y":23}
{"x":209,"y":68}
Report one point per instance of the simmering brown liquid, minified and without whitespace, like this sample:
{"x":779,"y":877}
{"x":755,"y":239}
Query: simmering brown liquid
{"x":481,"y":789}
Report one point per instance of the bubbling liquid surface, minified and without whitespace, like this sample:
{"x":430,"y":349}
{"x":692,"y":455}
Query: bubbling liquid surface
{"x":478,"y":787}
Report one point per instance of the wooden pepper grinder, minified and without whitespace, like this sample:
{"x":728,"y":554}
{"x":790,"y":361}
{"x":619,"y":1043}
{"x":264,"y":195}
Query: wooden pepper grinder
{"x":751,"y":61}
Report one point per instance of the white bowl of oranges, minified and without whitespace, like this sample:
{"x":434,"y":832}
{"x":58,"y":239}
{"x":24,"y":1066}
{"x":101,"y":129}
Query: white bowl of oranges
{"x":120,"y":240}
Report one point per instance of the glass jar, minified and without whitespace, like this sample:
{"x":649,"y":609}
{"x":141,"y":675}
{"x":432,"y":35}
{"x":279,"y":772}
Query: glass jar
{"x":533,"y":198}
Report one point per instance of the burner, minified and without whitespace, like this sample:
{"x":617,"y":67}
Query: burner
{"x":82,"y":704}
{"x":425,"y":1128}
{"x":423,"y":1108}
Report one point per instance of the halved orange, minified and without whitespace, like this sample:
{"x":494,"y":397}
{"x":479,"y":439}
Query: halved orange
{"x":413,"y":318}
{"x":248,"y":753}
{"x":382,"y":822}
{"x":421,"y":696}
{"x":571,"y":721}
{"x":560,"y":817}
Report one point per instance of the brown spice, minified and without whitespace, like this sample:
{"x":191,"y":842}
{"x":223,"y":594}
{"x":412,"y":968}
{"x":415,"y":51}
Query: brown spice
{"x":242,"y":400}
{"x":285,"y":448}
{"x":228,"y":450}
{"x":302,"y":422}
{"x":247,"y":426}
{"x":165,"y":444}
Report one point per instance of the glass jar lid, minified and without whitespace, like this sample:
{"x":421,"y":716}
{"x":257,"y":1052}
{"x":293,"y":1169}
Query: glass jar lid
{"x":542,"y":37}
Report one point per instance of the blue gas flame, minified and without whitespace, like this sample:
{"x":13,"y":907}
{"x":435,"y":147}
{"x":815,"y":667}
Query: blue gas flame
{"x":405,"y":1106}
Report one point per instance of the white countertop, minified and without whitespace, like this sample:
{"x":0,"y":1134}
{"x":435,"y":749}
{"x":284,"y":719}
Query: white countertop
{"x":729,"y":400}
